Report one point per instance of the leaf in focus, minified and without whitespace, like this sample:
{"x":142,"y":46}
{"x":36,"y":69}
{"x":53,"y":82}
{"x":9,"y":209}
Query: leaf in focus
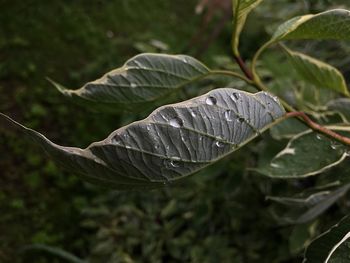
{"x":241,"y":10}
{"x":172,"y":142}
{"x":316,"y":72}
{"x":140,"y":82}
{"x":324,"y":248}
{"x":306,"y":154}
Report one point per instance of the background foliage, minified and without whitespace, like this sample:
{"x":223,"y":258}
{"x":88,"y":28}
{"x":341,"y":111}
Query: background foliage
{"x":218,"y":215}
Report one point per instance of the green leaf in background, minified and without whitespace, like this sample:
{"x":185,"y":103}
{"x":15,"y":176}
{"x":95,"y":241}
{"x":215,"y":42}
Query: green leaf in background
{"x":342,"y":107}
{"x":324,"y":248}
{"x":173,"y":142}
{"x":332,"y":24}
{"x":287,"y":129}
{"x":241,"y":10}
{"x":306,"y":154}
{"x":316,"y":72}
{"x":140,"y":82}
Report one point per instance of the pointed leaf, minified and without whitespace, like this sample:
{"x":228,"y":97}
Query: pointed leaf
{"x":241,"y":9}
{"x":332,"y":24}
{"x":173,"y":142}
{"x":324,"y":248}
{"x":142,"y":80}
{"x":299,"y":158}
{"x":316,"y":72}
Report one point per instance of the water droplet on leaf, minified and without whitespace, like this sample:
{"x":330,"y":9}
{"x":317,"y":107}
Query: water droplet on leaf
{"x":235,"y":96}
{"x":228,"y":115}
{"x":133,"y":85}
{"x":219,"y":144}
{"x":176,"y":122}
{"x":211,"y":101}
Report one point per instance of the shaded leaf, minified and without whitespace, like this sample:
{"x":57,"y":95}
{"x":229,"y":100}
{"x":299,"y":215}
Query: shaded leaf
{"x":341,"y":106}
{"x":173,"y":142}
{"x":142,"y":80}
{"x":316,"y":72}
{"x":299,"y":160}
{"x":322,"y":206}
{"x":299,"y":201}
{"x":287,"y":129}
{"x":323,"y":249}
{"x":241,"y":9}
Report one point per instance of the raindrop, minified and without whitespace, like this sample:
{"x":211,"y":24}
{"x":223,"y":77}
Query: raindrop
{"x":176,"y":122}
{"x":156,"y":146}
{"x":172,"y":163}
{"x":211,"y":101}
{"x":219,"y":144}
{"x":185,"y":60}
{"x":235,"y":96}
{"x":193,"y":113}
{"x":335,"y":145}
{"x":148,"y":127}
{"x":228,"y":115}
{"x":240,"y":119}
{"x":133,"y":85}
{"x":275,"y":98}
{"x":318,"y":136}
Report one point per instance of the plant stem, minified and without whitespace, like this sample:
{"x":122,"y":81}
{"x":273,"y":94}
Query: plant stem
{"x":317,"y":127}
{"x":244,"y":67}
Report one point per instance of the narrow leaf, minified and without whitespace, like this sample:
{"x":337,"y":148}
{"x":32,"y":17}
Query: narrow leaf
{"x":241,"y":9}
{"x":323,"y":249}
{"x":306,"y":154}
{"x":316,"y":72}
{"x":142,"y":80}
{"x":173,"y":142}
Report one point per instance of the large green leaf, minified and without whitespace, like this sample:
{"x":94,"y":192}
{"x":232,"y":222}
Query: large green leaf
{"x":306,"y":154}
{"x":140,"y":82}
{"x":316,"y":72}
{"x":173,"y":142}
{"x":241,"y":9}
{"x":332,"y":24}
{"x":324,"y":248}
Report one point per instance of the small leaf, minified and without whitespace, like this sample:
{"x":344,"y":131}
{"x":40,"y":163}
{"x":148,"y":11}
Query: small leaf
{"x":323,"y":249}
{"x":316,"y":72}
{"x":241,"y":9}
{"x":299,"y":158}
{"x":173,"y":142}
{"x":332,"y":24}
{"x":322,"y":206}
{"x":142,"y":80}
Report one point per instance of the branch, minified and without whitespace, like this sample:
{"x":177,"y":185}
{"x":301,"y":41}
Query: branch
{"x":316,"y":127}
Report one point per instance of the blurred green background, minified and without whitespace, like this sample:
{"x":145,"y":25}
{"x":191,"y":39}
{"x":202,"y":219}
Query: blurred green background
{"x":218,"y":215}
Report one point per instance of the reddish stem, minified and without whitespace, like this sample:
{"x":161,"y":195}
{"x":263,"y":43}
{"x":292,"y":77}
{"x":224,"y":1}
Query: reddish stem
{"x":244,"y":67}
{"x":315,"y":126}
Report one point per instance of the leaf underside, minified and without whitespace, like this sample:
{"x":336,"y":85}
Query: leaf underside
{"x":316,"y":72}
{"x":173,"y":142}
{"x":141,"y":81}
